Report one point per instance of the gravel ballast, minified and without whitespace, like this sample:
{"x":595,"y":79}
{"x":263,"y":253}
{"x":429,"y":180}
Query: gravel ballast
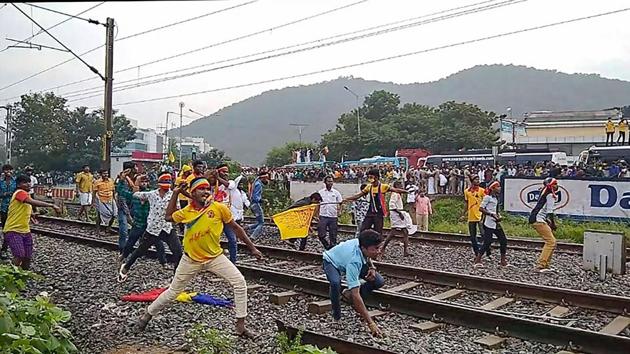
{"x":81,"y":279}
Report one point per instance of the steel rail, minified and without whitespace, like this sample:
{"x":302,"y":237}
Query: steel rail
{"x":573,"y":338}
{"x":578,"y":298}
{"x":324,"y":341}
{"x":562,"y":296}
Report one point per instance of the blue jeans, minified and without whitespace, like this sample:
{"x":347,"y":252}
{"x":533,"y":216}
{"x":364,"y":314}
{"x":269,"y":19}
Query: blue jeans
{"x":134,"y":236}
{"x":232,"y":245}
{"x":122,"y":229}
{"x":334,"y":278}
{"x":257,"y":228}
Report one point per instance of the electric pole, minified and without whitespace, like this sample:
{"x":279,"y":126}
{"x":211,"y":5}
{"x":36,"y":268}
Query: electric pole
{"x":7,"y":143}
{"x":181,"y":137}
{"x":108,"y":110}
{"x":300,"y":129}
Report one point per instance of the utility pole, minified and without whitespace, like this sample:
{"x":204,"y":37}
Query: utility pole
{"x":7,"y":143}
{"x":181,"y":137}
{"x":300,"y":128}
{"x":358,"y":111}
{"x":108,"y":110}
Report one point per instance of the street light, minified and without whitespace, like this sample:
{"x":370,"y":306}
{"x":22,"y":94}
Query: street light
{"x":358,"y":109}
{"x":181,"y":140}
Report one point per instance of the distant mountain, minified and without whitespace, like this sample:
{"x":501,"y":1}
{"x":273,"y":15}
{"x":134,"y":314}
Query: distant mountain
{"x":248,"y":129}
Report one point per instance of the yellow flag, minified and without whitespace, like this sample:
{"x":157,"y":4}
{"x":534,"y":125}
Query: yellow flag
{"x":294,"y":223}
{"x":171,"y":157}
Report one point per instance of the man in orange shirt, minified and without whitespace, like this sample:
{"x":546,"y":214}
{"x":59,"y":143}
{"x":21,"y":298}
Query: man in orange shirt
{"x":104,"y":201}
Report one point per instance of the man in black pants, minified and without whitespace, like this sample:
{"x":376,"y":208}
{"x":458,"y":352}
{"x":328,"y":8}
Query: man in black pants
{"x":492,"y":224}
{"x":158,"y":229}
{"x":375,"y":190}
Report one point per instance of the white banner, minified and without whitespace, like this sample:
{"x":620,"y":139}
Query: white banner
{"x":583,"y":199}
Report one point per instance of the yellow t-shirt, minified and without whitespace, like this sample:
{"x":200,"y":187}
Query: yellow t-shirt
{"x":85,"y":180}
{"x":610,"y":127}
{"x":384,"y":189}
{"x":204,"y":229}
{"x":19,"y":213}
{"x":178,"y":181}
{"x":623,"y":126}
{"x":104,"y":190}
{"x":473,"y":199}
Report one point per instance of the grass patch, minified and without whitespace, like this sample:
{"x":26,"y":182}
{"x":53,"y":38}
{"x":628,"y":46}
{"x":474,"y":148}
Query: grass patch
{"x":448,"y":212}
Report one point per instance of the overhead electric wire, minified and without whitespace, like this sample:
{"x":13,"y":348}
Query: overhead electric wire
{"x":457,"y":44}
{"x":88,"y":20}
{"x":93,"y":69}
{"x":134,"y":85}
{"x":249,"y":35}
{"x":286,"y":47}
{"x":127,"y":37}
{"x":57,"y":24}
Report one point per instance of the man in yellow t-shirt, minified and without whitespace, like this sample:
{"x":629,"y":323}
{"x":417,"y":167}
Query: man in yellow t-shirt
{"x":84,"y":181}
{"x":623,"y":131}
{"x":17,"y":231}
{"x":377,"y":211}
{"x":181,"y":178}
{"x":104,"y":201}
{"x":202,"y":250}
{"x":610,"y":131}
{"x":472,"y":200}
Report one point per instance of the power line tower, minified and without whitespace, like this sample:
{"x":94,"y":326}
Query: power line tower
{"x":108,"y":109}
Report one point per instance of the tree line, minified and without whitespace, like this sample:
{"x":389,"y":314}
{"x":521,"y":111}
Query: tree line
{"x":387,"y":126}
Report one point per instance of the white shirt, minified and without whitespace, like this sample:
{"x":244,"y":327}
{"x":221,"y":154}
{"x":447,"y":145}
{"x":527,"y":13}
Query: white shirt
{"x":546,"y":209}
{"x":411,"y":193}
{"x":512,"y":171}
{"x":395,"y":202}
{"x":156,"y":221}
{"x":329,"y":196}
{"x":238,"y":199}
{"x":33,"y":184}
{"x":490,"y":203}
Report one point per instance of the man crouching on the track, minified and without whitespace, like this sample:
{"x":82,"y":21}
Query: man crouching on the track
{"x":353,"y":257}
{"x":205,"y":220}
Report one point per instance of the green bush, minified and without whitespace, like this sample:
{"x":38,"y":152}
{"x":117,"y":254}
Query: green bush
{"x":295,"y":346}
{"x":204,"y":340}
{"x":30,"y":326}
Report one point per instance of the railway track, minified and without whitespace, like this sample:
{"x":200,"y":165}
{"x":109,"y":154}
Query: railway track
{"x":486,"y":317}
{"x":439,"y":238}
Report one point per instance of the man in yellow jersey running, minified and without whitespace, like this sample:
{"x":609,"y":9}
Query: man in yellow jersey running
{"x":205,"y":220}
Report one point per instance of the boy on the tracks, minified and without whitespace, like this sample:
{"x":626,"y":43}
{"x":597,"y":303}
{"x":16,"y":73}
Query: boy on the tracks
{"x":492,"y":224}
{"x":353,"y":257}
{"x":542,"y":219}
{"x":205,"y":220}
{"x":17,"y":231}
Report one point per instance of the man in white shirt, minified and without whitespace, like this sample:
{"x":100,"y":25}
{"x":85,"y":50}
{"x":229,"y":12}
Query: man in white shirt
{"x":492,"y":224}
{"x":329,"y":211}
{"x":223,"y":190}
{"x":29,"y":172}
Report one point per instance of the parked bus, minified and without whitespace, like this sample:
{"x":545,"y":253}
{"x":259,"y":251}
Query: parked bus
{"x":378,"y":161}
{"x":604,"y":154}
{"x":518,"y":158}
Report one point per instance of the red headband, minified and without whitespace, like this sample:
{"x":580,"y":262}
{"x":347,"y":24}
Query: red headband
{"x":494,"y":185}
{"x":224,"y":169}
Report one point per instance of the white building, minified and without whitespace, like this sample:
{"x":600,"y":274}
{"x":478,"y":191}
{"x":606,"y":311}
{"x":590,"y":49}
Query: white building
{"x":195,"y":144}
{"x":147,"y":140}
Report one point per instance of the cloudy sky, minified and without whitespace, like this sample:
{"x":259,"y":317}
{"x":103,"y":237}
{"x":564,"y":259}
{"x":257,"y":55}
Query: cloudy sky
{"x":597,"y":45}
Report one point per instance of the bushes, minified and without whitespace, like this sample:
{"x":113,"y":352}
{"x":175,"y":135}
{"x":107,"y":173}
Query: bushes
{"x":208,"y":341}
{"x":30,"y":326}
{"x":295,"y":346}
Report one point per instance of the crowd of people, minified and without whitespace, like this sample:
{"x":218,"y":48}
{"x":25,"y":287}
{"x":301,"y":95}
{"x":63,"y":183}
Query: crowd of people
{"x":204,"y":204}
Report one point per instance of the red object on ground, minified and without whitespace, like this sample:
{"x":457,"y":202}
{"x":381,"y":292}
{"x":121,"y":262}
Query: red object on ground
{"x":413,"y":155}
{"x":147,"y":296}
